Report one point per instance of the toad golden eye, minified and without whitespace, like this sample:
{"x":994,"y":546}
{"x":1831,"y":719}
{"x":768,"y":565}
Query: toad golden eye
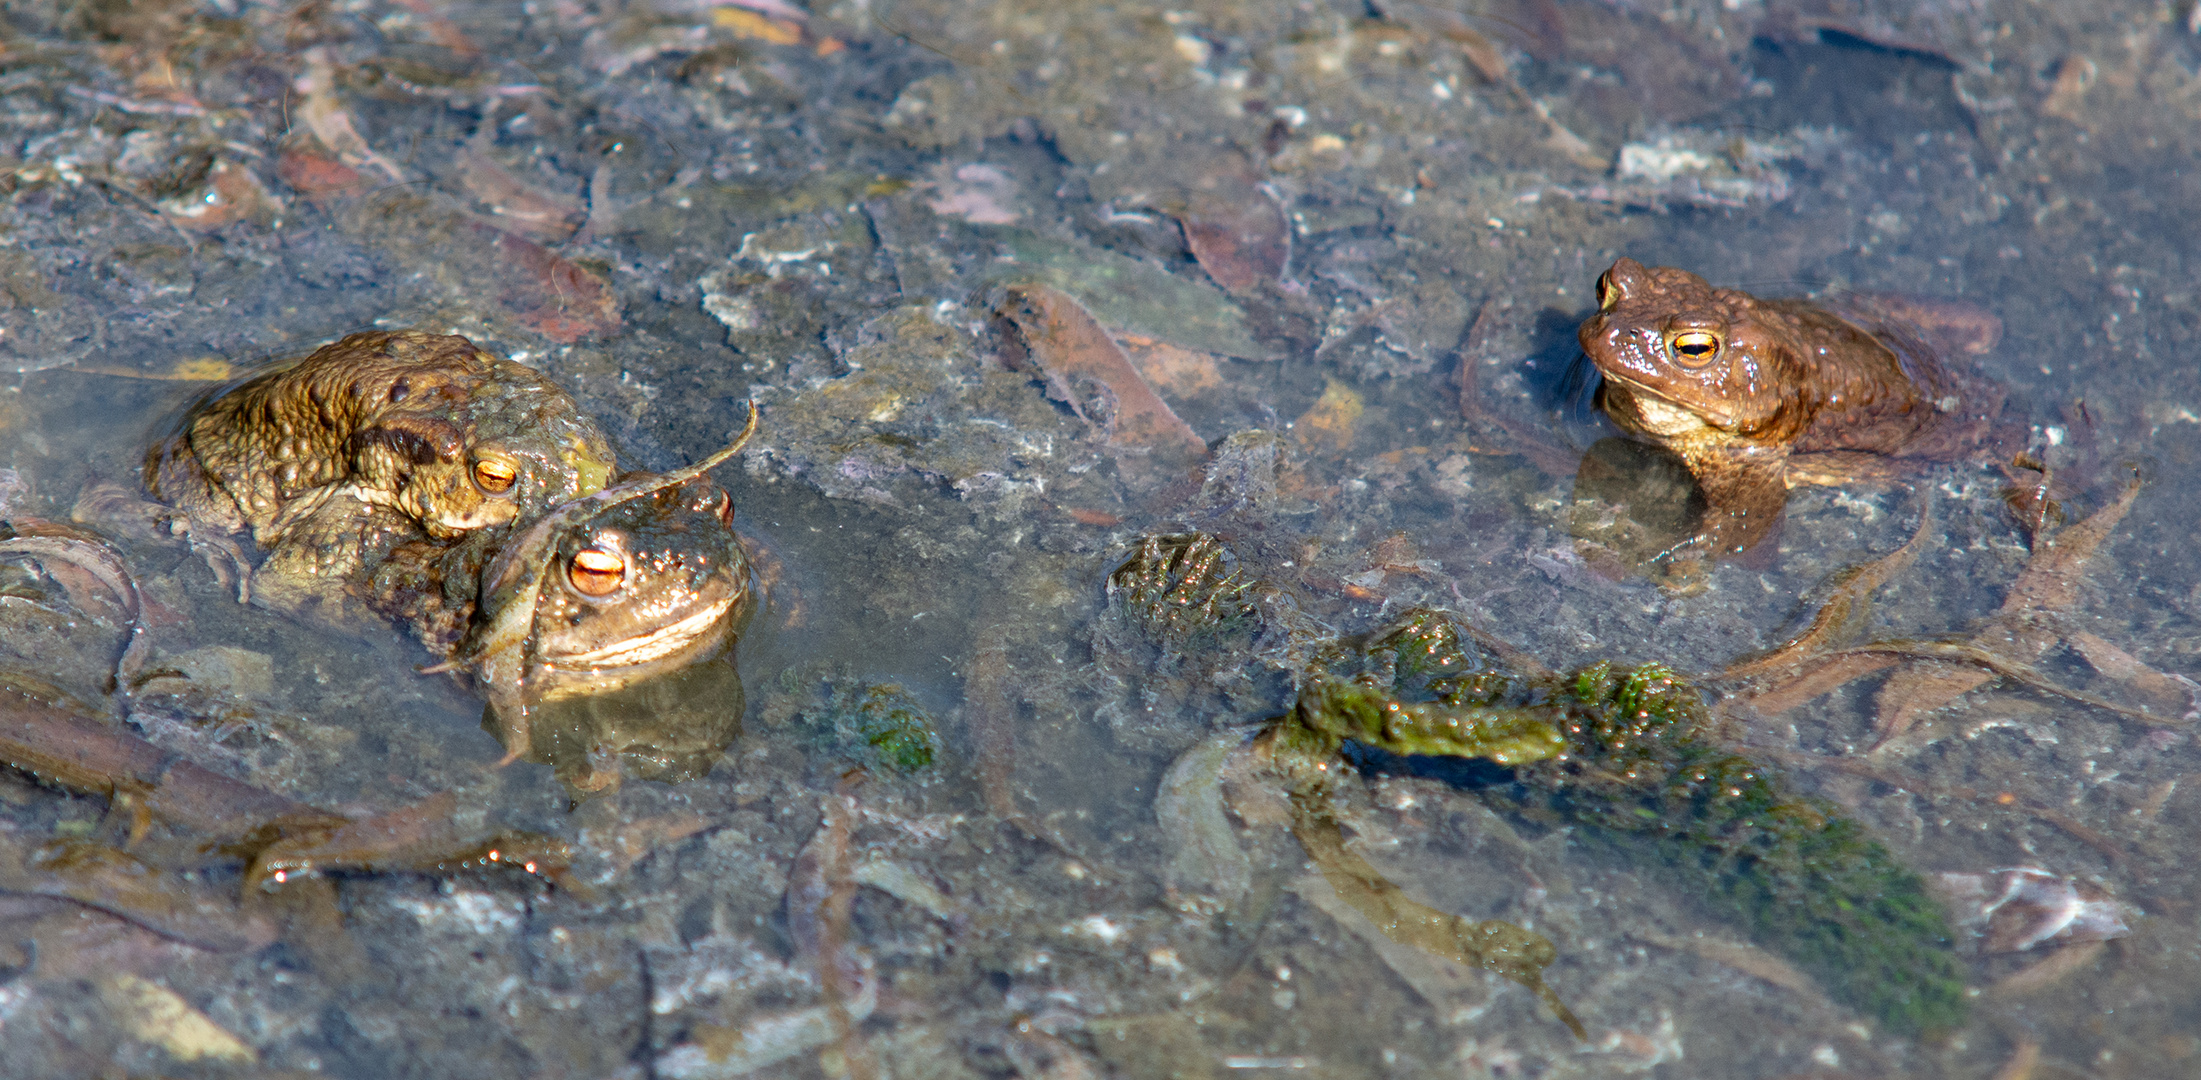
{"x":1694,"y":348}
{"x":1607,"y":296}
{"x":596,"y":573}
{"x":495,"y":477}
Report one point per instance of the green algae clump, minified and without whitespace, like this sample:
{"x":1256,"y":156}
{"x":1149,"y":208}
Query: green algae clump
{"x":1628,"y":757}
{"x":853,"y":721}
{"x":895,"y":727}
{"x":1330,"y":712}
{"x":1304,"y":747}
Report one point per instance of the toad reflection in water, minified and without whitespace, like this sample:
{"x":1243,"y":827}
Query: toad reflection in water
{"x":1757,"y":396}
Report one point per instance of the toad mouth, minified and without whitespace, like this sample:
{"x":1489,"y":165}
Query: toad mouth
{"x":655,"y":645}
{"x":1666,"y":415}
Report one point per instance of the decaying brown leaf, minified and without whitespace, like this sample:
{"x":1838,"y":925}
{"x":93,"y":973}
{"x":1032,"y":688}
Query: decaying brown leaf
{"x":323,"y":112}
{"x":154,"y":1014}
{"x":2165,"y":695}
{"x":1919,"y":690}
{"x":549,"y":293}
{"x":2051,"y":580}
{"x":1328,"y":425}
{"x":318,"y":178}
{"x":520,"y":207}
{"x":540,"y":289}
{"x":2075,"y":74}
{"x":2022,"y":631}
{"x":1060,"y":338}
{"x":1235,"y":229}
{"x":1823,"y":677}
{"x":1179,"y":371}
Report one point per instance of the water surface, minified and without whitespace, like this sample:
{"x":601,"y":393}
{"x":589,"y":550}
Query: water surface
{"x":1307,"y":222}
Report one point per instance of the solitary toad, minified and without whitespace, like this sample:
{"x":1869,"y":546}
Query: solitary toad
{"x":372,"y":439}
{"x":1755,"y":396}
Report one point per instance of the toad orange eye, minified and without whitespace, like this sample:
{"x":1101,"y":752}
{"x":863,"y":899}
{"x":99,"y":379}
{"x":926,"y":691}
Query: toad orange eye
{"x":1607,"y":296}
{"x":1694,"y":348}
{"x":495,"y":477}
{"x":596,"y":573}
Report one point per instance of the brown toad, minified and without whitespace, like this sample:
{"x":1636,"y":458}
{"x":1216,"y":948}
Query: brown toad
{"x":371,"y":440}
{"x":1756,"y":396}
{"x":603,"y":592}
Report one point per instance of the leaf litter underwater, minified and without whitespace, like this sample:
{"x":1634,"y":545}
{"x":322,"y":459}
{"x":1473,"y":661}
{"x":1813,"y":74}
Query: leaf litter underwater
{"x":1139,"y":391}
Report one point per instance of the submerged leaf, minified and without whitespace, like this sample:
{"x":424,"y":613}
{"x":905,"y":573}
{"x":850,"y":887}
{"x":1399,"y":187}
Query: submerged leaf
{"x":1066,"y":343}
{"x":114,"y":881}
{"x":1847,"y":606}
{"x":1236,"y":231}
{"x":1131,"y":296}
{"x":155,"y":1014}
{"x":1206,"y":867}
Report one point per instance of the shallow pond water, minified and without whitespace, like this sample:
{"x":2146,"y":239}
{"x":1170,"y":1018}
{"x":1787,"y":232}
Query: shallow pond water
{"x":981,"y":820}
